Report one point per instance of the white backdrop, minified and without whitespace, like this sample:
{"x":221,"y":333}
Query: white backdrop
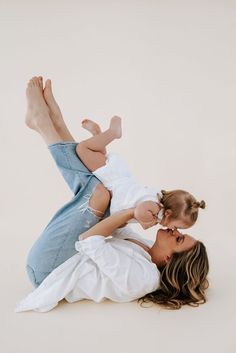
{"x":168,"y":69}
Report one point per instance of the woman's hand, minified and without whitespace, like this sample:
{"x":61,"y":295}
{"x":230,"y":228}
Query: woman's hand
{"x":146,"y":225}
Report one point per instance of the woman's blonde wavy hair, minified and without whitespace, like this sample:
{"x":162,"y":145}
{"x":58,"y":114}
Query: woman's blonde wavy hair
{"x":183,"y":280}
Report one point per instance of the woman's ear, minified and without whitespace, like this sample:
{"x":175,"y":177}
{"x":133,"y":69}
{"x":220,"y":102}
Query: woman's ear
{"x":166,"y":259}
{"x":167,"y":213}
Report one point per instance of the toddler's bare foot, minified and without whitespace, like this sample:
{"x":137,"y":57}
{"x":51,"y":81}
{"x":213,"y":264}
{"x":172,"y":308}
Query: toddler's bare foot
{"x":91,"y":126}
{"x":37,"y":110}
{"x":94,"y":128}
{"x":115,"y":126}
{"x":54,"y":110}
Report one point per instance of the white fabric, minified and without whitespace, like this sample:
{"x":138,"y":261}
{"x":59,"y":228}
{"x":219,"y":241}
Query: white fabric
{"x":126,"y":191}
{"x":111,"y":268}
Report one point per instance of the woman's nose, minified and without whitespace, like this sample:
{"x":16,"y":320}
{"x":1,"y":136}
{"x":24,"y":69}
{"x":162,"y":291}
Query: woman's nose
{"x":176,"y":233}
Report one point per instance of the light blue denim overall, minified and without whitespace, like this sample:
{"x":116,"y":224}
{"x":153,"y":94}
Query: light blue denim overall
{"x":57,"y":242}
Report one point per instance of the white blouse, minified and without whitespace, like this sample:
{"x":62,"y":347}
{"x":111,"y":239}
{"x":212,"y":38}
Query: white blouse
{"x":104,"y":267}
{"x":126,"y":191}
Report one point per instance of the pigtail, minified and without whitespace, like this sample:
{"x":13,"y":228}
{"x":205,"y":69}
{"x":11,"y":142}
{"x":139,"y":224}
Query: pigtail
{"x":200,"y":204}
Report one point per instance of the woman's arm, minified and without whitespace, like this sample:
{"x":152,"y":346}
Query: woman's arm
{"x":109,"y":224}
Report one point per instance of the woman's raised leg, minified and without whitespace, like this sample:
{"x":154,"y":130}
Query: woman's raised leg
{"x":46,"y":118}
{"x":56,"y":243}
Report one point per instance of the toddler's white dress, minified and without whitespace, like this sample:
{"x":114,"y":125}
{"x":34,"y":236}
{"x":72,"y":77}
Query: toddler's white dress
{"x":126,"y":191}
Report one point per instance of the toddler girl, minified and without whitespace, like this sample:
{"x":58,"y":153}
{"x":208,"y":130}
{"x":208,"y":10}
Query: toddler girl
{"x":173,"y":209}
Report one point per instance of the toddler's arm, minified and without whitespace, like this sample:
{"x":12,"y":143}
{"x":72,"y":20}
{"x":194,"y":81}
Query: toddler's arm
{"x":146,"y":213}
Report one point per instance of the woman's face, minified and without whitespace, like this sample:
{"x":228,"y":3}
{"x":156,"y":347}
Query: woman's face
{"x":168,"y":242}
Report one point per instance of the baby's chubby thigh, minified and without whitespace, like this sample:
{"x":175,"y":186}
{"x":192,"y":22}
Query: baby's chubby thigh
{"x":99,"y":200}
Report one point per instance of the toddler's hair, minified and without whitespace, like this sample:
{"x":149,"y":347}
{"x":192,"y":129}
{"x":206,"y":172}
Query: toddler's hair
{"x":182,"y":204}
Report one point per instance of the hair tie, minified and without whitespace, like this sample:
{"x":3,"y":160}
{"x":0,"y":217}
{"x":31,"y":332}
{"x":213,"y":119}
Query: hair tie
{"x":160,"y":215}
{"x":160,"y":196}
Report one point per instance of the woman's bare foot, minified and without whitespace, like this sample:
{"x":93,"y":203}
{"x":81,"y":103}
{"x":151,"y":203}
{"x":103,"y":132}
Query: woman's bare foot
{"x":91,"y":126}
{"x":37,"y":110}
{"x":55,"y":113}
{"x":115,"y":126}
{"x":37,"y":116}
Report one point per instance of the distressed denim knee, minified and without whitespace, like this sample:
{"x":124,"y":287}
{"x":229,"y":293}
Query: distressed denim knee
{"x":75,"y":173}
{"x":36,"y":277}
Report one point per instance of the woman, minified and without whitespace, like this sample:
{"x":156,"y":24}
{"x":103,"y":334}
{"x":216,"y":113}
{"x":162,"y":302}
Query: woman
{"x":171,"y":272}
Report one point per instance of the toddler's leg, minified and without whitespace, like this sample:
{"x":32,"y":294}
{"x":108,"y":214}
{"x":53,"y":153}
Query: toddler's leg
{"x":90,"y":151}
{"x":94,"y":128}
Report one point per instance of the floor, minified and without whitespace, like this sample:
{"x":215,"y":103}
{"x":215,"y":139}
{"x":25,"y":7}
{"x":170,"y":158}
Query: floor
{"x":168,"y":69}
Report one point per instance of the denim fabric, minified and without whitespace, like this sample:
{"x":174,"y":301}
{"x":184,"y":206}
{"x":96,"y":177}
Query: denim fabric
{"x":57,"y":242}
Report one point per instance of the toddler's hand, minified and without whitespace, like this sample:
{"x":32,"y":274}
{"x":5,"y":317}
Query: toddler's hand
{"x":145,"y":215}
{"x":146,"y":225}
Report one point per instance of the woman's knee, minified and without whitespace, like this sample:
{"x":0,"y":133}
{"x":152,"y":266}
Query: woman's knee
{"x":36,"y":277}
{"x":40,"y":259}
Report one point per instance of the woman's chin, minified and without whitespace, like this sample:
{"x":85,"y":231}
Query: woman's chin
{"x":158,"y":233}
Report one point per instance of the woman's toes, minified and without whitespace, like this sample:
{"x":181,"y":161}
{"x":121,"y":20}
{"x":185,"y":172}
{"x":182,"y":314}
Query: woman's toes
{"x":48,"y":84}
{"x":54,"y":109}
{"x":37,"y":82}
{"x":31,"y":83}
{"x":34,"y":81}
{"x":40,"y":79}
{"x":48,"y":93}
{"x":48,"y":89}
